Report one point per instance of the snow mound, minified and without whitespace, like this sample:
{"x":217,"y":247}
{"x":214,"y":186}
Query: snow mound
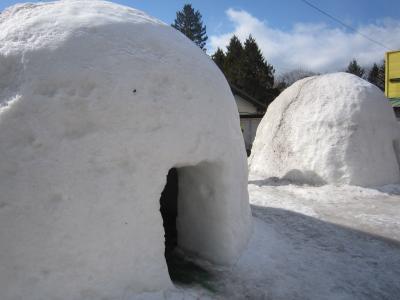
{"x":334,"y":128}
{"x":98,"y":103}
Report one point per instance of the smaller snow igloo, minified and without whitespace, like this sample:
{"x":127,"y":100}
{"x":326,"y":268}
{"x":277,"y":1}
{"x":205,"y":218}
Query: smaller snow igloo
{"x":98,"y":103}
{"x":335,"y":128}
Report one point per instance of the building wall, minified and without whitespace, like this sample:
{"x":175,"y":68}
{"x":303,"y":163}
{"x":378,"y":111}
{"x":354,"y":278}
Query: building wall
{"x":249,"y":129}
{"x":248,"y":122}
{"x":244,"y":106}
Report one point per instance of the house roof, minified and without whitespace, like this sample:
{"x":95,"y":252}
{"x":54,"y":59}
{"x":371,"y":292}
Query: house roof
{"x":236,"y":91}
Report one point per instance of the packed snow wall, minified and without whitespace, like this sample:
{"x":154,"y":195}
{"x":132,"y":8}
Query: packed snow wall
{"x":98,"y":102}
{"x":334,"y":128}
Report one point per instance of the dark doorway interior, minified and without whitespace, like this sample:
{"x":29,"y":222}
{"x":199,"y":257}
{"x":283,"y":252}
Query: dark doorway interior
{"x":169,"y":211}
{"x":181,"y":270}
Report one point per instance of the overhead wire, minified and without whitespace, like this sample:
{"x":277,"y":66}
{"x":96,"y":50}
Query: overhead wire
{"x":344,"y":24}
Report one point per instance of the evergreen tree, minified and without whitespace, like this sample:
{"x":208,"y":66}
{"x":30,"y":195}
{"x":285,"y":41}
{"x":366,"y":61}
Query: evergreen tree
{"x":188,"y":21}
{"x":246,"y":68}
{"x":219,"y":58}
{"x":373,"y":74}
{"x":377,"y":75}
{"x":233,"y":62}
{"x":257,"y":75}
{"x":381,"y":76}
{"x":355,"y":68}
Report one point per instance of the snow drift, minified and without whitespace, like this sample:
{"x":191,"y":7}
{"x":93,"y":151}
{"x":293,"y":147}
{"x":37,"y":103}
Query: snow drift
{"x":98,"y":102}
{"x":334,"y":128}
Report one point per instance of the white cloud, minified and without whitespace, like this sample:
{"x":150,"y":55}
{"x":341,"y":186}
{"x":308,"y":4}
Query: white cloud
{"x":315,"y":47}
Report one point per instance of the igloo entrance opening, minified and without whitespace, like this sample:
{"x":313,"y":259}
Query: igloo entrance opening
{"x":169,"y":211}
{"x":181,"y":269}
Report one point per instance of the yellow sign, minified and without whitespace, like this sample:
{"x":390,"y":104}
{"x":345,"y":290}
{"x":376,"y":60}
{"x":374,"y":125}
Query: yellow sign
{"x":392,"y":74}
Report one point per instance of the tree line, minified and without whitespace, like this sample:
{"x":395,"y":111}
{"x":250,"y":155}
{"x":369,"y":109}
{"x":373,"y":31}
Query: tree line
{"x":376,"y":74}
{"x":245,"y":67}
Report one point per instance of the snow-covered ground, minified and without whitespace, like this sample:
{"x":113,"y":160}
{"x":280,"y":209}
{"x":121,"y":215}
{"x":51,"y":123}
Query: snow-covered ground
{"x":374,"y":211}
{"x":309,"y":242}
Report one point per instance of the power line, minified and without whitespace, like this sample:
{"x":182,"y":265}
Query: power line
{"x":344,"y":24}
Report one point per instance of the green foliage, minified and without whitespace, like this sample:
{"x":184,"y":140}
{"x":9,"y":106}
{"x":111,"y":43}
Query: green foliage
{"x":219,"y":58}
{"x":257,"y":74}
{"x":355,"y":68}
{"x":377,"y":76}
{"x":246,"y":68}
{"x":373,"y":74}
{"x":381,"y":76}
{"x":234,"y":61}
{"x":188,"y":21}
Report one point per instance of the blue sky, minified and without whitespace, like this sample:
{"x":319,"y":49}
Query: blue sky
{"x":282,"y":14}
{"x":289,"y":29}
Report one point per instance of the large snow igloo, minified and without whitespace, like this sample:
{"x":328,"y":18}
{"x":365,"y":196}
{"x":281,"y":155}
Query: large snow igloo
{"x":99,"y":102}
{"x":335,"y":128}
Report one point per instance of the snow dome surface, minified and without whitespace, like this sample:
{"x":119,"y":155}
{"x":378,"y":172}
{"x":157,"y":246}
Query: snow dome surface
{"x":334,"y":128}
{"x":98,"y":102}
